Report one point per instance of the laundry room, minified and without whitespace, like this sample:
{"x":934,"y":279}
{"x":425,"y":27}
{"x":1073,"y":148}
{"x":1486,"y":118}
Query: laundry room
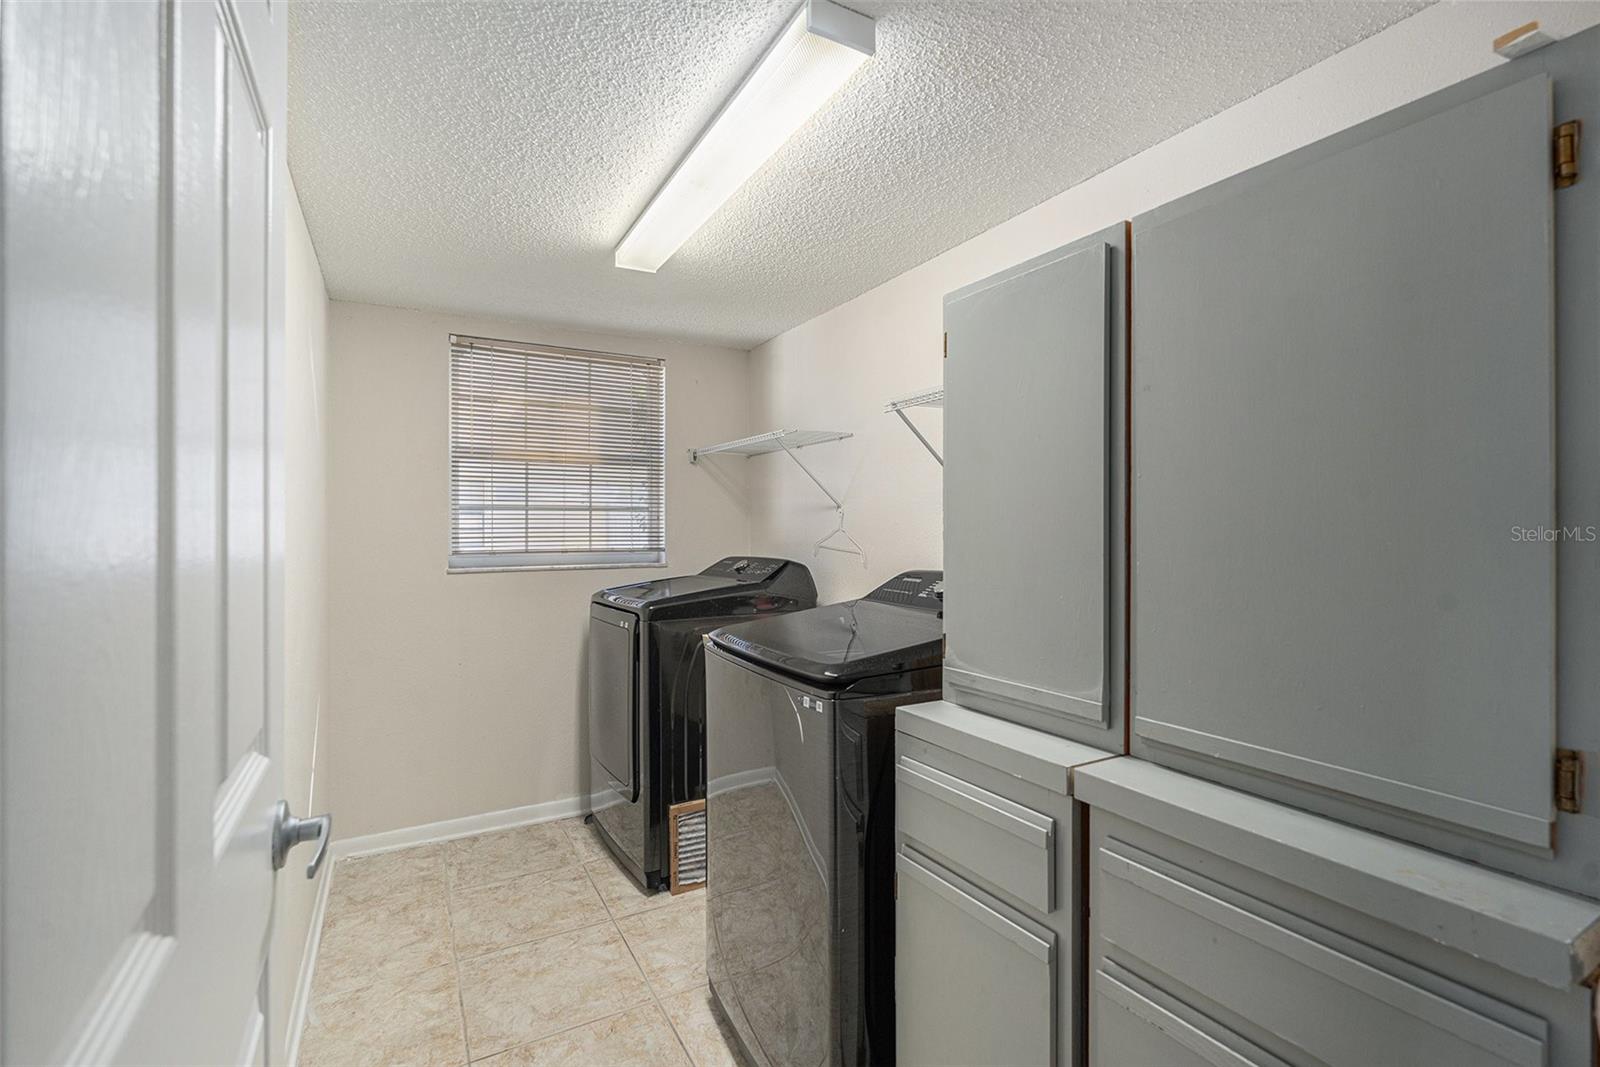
{"x":761,"y":533}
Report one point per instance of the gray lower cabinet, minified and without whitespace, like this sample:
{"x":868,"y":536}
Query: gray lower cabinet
{"x":988,"y":927}
{"x":1226,"y":929}
{"x":1350,"y":589}
{"x":960,"y":947}
{"x":1035,"y":362}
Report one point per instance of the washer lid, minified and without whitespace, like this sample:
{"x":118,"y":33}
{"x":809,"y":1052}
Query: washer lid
{"x":660,"y":589}
{"x":837,"y":644}
{"x":732,"y":573}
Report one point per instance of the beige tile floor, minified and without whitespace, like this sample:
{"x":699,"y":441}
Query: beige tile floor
{"x":512,"y":949}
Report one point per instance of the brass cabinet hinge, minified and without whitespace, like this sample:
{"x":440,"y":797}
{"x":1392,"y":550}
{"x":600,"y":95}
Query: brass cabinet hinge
{"x":1569,"y":780}
{"x":1568,"y":138}
{"x":946,"y":346}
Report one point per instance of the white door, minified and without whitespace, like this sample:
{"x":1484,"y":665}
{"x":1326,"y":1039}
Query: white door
{"x":141,"y":648}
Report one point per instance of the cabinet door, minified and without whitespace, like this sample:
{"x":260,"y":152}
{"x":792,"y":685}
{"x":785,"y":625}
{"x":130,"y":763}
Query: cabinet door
{"x":1343,"y":449}
{"x":1028,"y":491}
{"x":974,"y":981}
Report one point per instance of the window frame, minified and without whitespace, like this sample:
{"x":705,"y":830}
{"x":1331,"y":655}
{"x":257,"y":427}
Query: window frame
{"x":501,"y":562}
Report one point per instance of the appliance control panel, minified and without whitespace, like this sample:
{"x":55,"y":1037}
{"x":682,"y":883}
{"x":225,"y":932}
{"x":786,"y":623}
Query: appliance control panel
{"x":914,"y":589}
{"x":745,"y":568}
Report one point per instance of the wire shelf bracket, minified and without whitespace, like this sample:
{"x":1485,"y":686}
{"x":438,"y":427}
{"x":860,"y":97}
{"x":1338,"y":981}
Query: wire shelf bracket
{"x":928,"y":398}
{"x":787,"y":442}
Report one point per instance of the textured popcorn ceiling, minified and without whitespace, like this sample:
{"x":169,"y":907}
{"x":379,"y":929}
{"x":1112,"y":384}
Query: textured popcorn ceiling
{"x":487,"y":157}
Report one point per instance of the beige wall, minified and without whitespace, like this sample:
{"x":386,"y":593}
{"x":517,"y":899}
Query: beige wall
{"x":457,"y":694}
{"x":305,"y":602}
{"x":837,"y":370}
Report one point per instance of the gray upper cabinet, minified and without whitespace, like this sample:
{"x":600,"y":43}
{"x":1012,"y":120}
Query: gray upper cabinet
{"x":1344,"y":442}
{"x":1033,"y":492}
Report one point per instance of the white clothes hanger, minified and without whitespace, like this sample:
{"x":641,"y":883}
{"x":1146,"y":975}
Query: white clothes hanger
{"x":854,"y":548}
{"x":838,"y":530}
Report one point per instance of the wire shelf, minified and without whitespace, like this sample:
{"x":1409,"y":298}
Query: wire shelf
{"x":787,"y":442}
{"x":773,"y":441}
{"x":928,"y":398}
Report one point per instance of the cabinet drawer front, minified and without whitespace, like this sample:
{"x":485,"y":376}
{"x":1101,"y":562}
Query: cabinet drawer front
{"x":997,"y":839}
{"x":974,"y":981}
{"x":1134,"y":1022}
{"x":1302,"y":982}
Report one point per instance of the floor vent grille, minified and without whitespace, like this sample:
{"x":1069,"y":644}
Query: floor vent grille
{"x":688,"y":845}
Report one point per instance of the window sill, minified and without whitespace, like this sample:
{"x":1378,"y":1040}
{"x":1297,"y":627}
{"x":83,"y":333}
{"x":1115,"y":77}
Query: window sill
{"x":502,"y":568}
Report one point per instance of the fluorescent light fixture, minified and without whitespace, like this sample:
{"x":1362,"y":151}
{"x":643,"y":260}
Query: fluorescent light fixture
{"x":814,"y":55}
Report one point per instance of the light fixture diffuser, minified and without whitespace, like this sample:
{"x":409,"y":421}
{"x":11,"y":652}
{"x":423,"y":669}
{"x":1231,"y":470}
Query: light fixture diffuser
{"x":814,"y":55}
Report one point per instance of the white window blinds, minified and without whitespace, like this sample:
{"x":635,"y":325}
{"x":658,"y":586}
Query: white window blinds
{"x":557,"y":457}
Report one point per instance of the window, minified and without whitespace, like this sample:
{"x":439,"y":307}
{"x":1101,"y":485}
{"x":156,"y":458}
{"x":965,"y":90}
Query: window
{"x":557,"y":457}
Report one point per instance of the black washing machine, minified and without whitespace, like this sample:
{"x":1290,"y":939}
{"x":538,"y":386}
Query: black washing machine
{"x":647,"y":694}
{"x":800,"y":805}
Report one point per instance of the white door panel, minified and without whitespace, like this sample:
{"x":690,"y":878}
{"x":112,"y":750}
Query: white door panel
{"x":246,"y":167}
{"x":81,"y":586}
{"x":142,"y":521}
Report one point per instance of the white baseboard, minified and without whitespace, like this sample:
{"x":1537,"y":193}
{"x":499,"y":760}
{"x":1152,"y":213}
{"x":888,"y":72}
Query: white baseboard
{"x":427,"y":833}
{"x":301,"y":1005}
{"x":741,"y":780}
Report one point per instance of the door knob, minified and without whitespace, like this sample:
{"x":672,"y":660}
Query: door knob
{"x":288,"y":831}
